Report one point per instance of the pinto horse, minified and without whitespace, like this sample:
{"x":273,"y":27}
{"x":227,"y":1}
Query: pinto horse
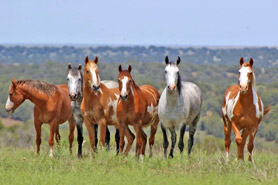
{"x":75,"y":84}
{"x":242,"y":109}
{"x":99,"y":103}
{"x":179,"y":105}
{"x":52,"y":106}
{"x":138,"y":107}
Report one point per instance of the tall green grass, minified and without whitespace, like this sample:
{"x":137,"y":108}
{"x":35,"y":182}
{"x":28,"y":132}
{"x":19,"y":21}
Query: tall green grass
{"x":206,"y":165}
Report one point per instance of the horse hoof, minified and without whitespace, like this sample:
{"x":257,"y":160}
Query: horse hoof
{"x":141,"y":158}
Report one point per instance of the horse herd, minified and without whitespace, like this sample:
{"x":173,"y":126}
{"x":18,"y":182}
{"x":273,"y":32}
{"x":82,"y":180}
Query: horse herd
{"x":122,"y":104}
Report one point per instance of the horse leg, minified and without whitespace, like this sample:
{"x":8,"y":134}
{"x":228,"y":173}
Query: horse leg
{"x":227,"y":132}
{"x":139,"y":141}
{"x":152,"y":136}
{"x":192,"y":130}
{"x":51,"y":136}
{"x":251,"y":144}
{"x":130,"y":138}
{"x":181,"y":143}
{"x":238,"y":140}
{"x":165,"y":140}
{"x":91,"y":131}
{"x":117,"y":140}
{"x":57,"y":134}
{"x":79,"y":137}
{"x":144,"y":139}
{"x":38,"y":125}
{"x":71,"y":132}
{"x":173,"y":139}
{"x":244,"y":135}
{"x":96,"y":132}
{"x":102,"y":129}
{"x":122,"y":137}
{"x":107,"y":138}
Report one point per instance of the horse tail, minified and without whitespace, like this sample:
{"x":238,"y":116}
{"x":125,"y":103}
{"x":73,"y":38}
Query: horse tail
{"x":267,"y":109}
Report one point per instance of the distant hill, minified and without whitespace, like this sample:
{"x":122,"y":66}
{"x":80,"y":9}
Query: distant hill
{"x":264,"y":56}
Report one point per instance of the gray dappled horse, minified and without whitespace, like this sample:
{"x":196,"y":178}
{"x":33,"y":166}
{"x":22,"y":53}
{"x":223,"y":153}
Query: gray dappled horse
{"x":75,"y":85}
{"x":179,"y":105}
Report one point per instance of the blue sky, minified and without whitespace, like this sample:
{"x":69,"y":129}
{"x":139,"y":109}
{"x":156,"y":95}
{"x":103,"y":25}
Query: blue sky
{"x":141,"y":22}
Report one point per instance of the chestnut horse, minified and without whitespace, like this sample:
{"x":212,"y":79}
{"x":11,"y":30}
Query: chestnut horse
{"x":137,"y":106}
{"x":52,"y":106}
{"x":242,"y":109}
{"x":99,"y":102}
{"x":75,"y":84}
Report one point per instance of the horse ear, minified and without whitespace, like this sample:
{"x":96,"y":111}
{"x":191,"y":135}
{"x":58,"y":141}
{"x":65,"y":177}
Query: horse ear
{"x":129,"y":68}
{"x":14,"y":82}
{"x":120,"y":68}
{"x":96,"y":60}
{"x":69,"y":66}
{"x":179,"y":60}
{"x":251,"y":62}
{"x":80,"y":67}
{"x":86,"y":59}
{"x":241,"y":61}
{"x":166,"y":60}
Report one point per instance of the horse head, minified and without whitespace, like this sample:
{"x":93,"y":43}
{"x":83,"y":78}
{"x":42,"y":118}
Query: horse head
{"x":91,"y":76}
{"x":246,"y":76}
{"x":172,"y":75}
{"x":75,"y":82}
{"x":15,"y":98}
{"x":125,"y":82}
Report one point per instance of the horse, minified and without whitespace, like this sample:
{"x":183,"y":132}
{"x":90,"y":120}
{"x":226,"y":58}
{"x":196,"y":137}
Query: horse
{"x":52,"y":106}
{"x":179,"y":105}
{"x":75,"y":84}
{"x":99,"y":103}
{"x":242,"y":109}
{"x":137,"y":106}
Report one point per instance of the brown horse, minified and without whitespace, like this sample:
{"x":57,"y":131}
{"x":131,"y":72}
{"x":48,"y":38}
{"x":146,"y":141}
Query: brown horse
{"x":52,"y":106}
{"x":138,"y":107}
{"x":99,"y":102}
{"x":242,"y":109}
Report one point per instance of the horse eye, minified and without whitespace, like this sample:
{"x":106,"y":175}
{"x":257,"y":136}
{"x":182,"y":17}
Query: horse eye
{"x":87,"y":71}
{"x":251,"y":73}
{"x":79,"y":79}
{"x":239,"y":73}
{"x":11,"y":94}
{"x":165,"y":71}
{"x":67,"y":79}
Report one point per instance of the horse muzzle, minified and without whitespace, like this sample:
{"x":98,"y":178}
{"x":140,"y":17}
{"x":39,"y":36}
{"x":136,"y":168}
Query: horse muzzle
{"x":243,"y":89}
{"x":9,"y":109}
{"x":73,"y":96}
{"x":95,"y":88}
{"x":123,"y":98}
{"x":171,"y":88}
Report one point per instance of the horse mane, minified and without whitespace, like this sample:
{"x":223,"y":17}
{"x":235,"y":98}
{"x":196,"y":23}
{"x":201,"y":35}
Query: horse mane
{"x":254,"y":80}
{"x":40,"y":86}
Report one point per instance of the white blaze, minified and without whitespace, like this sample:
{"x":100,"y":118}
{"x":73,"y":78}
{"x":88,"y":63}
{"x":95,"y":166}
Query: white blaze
{"x":9,"y":103}
{"x":94,"y":76}
{"x":124,"y":89}
{"x":243,"y":78}
{"x":171,"y":74}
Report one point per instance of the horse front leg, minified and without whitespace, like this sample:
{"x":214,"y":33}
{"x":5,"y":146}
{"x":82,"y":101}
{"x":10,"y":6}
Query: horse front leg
{"x":238,"y":140}
{"x":91,"y":131}
{"x":227,"y":132}
{"x":38,"y":125}
{"x":130,"y":138}
{"x":173,"y":139}
{"x":79,"y":137}
{"x":117,"y":140}
{"x":53,"y":127}
{"x":122,"y":136}
{"x":71,"y":132}
{"x":107,"y":139}
{"x":139,"y":144}
{"x":165,"y":140}
{"x":152,"y":135}
{"x":57,"y":134}
{"x":250,"y":145}
{"x":181,"y":143}
{"x":102,"y":125}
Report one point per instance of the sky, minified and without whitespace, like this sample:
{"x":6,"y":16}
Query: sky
{"x":141,"y":22}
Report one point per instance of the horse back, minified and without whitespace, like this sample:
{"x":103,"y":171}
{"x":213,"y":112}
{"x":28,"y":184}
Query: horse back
{"x":151,"y":94}
{"x":65,"y":111}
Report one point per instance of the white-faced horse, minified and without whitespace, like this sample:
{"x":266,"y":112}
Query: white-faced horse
{"x":179,"y":105}
{"x":75,"y":84}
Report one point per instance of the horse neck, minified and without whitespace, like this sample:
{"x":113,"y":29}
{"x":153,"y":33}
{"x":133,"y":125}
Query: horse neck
{"x":172,"y":98}
{"x":247,"y":98}
{"x":33,"y":95}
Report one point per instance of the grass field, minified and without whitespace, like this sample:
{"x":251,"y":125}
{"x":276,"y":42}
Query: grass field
{"x":206,"y":165}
